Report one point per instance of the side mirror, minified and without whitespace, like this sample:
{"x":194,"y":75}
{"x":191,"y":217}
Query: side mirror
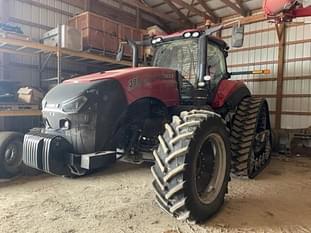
{"x":237,"y":36}
{"x":120,"y":52}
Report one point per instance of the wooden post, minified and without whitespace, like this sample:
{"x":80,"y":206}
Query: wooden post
{"x":59,"y":55}
{"x":138,"y":18}
{"x":87,"y":5}
{"x":281,"y":32}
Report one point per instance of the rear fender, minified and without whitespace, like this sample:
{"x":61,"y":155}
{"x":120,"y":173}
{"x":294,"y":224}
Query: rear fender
{"x":230,"y":93}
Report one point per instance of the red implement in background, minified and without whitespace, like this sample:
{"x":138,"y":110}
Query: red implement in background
{"x":273,"y":7}
{"x":286,"y":10}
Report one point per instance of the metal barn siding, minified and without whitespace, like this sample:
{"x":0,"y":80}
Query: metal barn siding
{"x":1,"y":66}
{"x":297,"y":90}
{"x":259,"y":52}
{"x":38,"y":18}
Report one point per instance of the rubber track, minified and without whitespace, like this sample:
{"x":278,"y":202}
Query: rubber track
{"x":242,"y":136}
{"x":170,"y":163}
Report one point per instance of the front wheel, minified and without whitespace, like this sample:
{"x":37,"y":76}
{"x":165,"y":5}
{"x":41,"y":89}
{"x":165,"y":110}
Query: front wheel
{"x":11,"y":149}
{"x":192,"y":168}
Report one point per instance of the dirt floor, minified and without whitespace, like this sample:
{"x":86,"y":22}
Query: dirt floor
{"x":120,"y":200}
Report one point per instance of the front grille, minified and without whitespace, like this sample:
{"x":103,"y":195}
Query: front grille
{"x":32,"y":147}
{"x":45,"y":152}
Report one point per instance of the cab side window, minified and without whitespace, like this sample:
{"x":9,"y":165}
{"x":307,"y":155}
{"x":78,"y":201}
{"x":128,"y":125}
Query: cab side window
{"x":216,"y":65}
{"x":188,"y":62}
{"x":180,"y":55}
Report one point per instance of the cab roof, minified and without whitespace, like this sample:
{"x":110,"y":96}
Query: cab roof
{"x":180,"y":34}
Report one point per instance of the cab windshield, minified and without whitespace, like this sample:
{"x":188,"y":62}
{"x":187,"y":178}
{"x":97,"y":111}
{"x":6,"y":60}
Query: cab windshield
{"x":183,"y":54}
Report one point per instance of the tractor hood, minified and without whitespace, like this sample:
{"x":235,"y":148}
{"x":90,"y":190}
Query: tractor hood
{"x":121,"y":74}
{"x":137,"y":83}
{"x":134,"y":83}
{"x":64,"y":92}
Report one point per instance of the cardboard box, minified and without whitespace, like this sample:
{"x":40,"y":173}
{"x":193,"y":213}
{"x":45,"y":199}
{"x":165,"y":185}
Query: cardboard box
{"x":30,"y":95}
{"x":111,"y":43}
{"x":92,"y":39}
{"x":86,"y":20}
{"x":155,"y":31}
{"x":94,"y":27}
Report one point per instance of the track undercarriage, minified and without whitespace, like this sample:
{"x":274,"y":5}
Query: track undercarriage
{"x":251,"y":138}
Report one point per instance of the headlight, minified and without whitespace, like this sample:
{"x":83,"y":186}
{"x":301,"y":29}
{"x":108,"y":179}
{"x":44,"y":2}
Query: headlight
{"x":73,"y":106}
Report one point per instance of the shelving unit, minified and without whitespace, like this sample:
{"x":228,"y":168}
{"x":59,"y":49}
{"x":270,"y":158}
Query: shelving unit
{"x":20,"y":113}
{"x":12,"y":109}
{"x":45,"y":53}
{"x":29,"y":48}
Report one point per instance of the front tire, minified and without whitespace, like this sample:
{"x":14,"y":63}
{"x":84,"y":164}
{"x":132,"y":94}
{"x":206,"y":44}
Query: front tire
{"x":192,"y":168}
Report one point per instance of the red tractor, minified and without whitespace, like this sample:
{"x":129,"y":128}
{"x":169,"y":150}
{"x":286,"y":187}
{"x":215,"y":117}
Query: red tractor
{"x":208,"y":124}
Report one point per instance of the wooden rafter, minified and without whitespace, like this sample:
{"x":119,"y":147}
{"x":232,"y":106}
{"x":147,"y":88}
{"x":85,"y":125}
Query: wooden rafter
{"x":240,"y":4}
{"x":189,"y":12}
{"x":208,"y":10}
{"x":236,"y":6}
{"x":182,"y":8}
{"x":137,"y":4}
{"x":162,"y":22}
{"x":87,"y":5}
{"x":178,"y":12}
{"x":248,"y":20}
{"x":158,"y":5}
{"x":194,"y":9}
{"x":138,"y":18}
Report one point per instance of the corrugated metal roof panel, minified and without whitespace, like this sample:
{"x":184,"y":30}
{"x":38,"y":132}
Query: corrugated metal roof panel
{"x":220,"y":9}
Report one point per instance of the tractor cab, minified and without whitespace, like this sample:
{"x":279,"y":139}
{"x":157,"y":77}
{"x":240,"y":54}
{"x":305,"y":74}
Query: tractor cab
{"x":199,"y":58}
{"x":183,"y":52}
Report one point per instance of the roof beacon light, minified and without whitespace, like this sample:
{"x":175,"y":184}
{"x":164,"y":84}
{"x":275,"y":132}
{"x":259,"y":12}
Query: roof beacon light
{"x":195,"y":34}
{"x":187,"y":34}
{"x":156,"y":40}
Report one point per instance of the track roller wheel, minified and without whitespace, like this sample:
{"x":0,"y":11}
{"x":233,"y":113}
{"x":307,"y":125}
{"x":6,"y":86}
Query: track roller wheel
{"x":192,"y":168}
{"x":251,"y":138}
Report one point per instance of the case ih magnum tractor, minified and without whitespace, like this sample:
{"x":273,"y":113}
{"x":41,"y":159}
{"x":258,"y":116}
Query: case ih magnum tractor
{"x":208,"y":124}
